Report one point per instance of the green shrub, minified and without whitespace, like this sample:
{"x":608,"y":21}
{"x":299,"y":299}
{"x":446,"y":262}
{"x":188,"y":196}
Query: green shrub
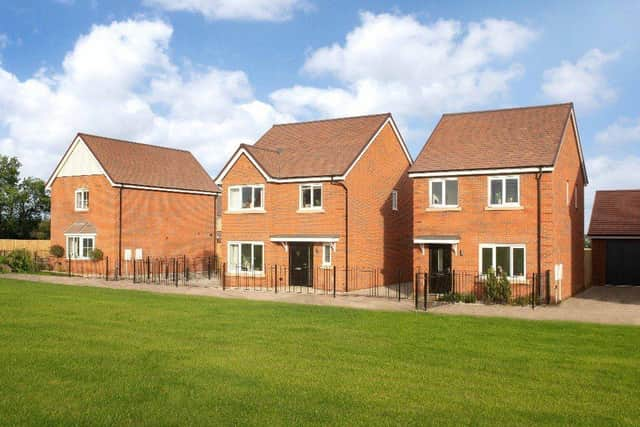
{"x":522,"y":300}
{"x":96,"y":255}
{"x":4,"y":268}
{"x":497,"y":288}
{"x":56,"y":251}
{"x":468,"y":298}
{"x":449,"y":297}
{"x":21,"y":261}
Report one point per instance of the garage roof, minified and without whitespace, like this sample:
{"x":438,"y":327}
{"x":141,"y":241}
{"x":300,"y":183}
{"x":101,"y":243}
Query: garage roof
{"x":616,"y":213}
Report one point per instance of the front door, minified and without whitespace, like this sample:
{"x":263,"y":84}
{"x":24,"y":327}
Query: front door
{"x":301,"y":265}
{"x":440,"y":269}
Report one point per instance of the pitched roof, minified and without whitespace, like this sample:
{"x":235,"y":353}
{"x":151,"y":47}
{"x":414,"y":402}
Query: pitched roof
{"x":136,"y":164}
{"x":495,"y":139}
{"x":616,"y":213}
{"x":81,"y":228}
{"x":313,"y":149}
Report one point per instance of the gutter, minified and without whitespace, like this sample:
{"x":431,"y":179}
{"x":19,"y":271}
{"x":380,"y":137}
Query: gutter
{"x":346,"y":229}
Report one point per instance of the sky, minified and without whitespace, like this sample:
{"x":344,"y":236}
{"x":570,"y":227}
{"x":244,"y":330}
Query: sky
{"x":206,"y":75}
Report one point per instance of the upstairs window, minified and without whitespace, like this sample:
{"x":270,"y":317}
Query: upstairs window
{"x":504,"y":191}
{"x":82,"y":199}
{"x":246,"y":197}
{"x":443,"y":193}
{"x":311,"y":196}
{"x":394,"y":200}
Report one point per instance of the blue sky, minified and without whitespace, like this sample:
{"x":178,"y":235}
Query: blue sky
{"x":206,"y":75}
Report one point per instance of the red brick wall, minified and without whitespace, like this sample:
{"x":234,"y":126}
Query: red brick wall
{"x":568,"y":218}
{"x":378,"y":236}
{"x":160,"y":223}
{"x":475,"y":224}
{"x":167,"y":224}
{"x":102,"y":213}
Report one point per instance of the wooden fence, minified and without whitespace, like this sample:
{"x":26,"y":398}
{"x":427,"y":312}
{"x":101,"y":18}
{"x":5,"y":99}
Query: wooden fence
{"x":40,"y":246}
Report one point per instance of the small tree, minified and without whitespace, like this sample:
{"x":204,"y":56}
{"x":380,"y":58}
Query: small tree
{"x":96,"y":255}
{"x":56,"y":251}
{"x":497,"y":288}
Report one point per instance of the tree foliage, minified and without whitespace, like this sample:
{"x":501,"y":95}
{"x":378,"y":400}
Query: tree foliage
{"x":24,"y":204}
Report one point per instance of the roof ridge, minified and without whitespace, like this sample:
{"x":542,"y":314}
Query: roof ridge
{"x":134,"y":142}
{"x":333,"y":119}
{"x":528,"y":107}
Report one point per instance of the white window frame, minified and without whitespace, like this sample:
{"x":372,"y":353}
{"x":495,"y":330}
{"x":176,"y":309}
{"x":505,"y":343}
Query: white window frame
{"x":138,"y":254}
{"x":504,"y":203}
{"x":239,"y":260}
{"x":511,"y":247}
{"x":327,"y":247}
{"x":84,"y":201}
{"x":71,"y":254}
{"x":253,"y":208}
{"x":394,"y":200}
{"x":444,"y":193}
{"x":311,"y":188}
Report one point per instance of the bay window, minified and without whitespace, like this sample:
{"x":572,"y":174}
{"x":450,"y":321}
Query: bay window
{"x":245,"y":257}
{"x":246,"y":197}
{"x":443,"y":193}
{"x":507,"y":258}
{"x":504,"y":191}
{"x":79,"y":246}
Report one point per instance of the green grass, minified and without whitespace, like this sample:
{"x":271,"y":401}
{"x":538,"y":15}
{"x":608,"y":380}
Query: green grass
{"x":88,"y":356}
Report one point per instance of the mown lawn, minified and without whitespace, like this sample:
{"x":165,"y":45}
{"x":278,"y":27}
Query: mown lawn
{"x":87,"y":356}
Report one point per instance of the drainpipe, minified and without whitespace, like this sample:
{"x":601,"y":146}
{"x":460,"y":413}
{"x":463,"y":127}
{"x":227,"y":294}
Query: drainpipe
{"x":538,"y":178}
{"x":120,"y":235}
{"x":346,"y":230}
{"x":215,"y":225}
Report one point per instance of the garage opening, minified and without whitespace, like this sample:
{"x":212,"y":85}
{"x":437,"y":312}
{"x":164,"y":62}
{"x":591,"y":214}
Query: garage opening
{"x":623,"y":262}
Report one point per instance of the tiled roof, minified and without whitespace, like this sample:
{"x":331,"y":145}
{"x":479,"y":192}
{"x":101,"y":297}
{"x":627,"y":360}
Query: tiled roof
{"x":81,"y":228}
{"x":317,"y":148}
{"x":616,"y":213}
{"x":509,"y":138}
{"x":149,"y":165}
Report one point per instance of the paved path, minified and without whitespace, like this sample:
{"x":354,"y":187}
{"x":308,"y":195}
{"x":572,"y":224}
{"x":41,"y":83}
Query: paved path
{"x":351,"y":301}
{"x":600,"y":304}
{"x":610,"y":305}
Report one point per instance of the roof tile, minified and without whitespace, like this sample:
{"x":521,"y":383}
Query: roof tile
{"x":616,"y":213}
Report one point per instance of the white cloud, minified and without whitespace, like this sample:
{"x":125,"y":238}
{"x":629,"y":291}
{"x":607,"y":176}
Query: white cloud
{"x":582,"y":82}
{"x":251,"y":10}
{"x":397,"y":63}
{"x":623,"y":131}
{"x":607,"y":173}
{"x":119,"y":81}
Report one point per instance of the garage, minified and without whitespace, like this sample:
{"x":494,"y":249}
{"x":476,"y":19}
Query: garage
{"x":615,"y":238}
{"x":623,"y":262}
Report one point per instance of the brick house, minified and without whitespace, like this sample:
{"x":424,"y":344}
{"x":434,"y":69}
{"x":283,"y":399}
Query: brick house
{"x":131,"y":201}
{"x":502,"y":189}
{"x":615,"y":238}
{"x":311,"y":196}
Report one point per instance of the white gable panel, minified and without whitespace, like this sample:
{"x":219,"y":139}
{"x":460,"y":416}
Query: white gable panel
{"x":80,"y":161}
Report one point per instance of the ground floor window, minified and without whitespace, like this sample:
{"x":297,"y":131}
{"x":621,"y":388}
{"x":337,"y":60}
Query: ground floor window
{"x":80,"y":247}
{"x":326,"y":255}
{"x":245,"y":257}
{"x":508,"y":258}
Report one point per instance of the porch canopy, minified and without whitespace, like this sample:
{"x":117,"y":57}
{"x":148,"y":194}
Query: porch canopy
{"x":81,"y":228}
{"x":436,"y":240}
{"x":304,"y":238}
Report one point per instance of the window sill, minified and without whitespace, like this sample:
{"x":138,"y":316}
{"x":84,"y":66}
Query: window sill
{"x":82,"y":210}
{"x":245,"y":274}
{"x":314,"y":210}
{"x":246,"y":211}
{"x":444,"y":209}
{"x":326,"y":267}
{"x":504,"y":208}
